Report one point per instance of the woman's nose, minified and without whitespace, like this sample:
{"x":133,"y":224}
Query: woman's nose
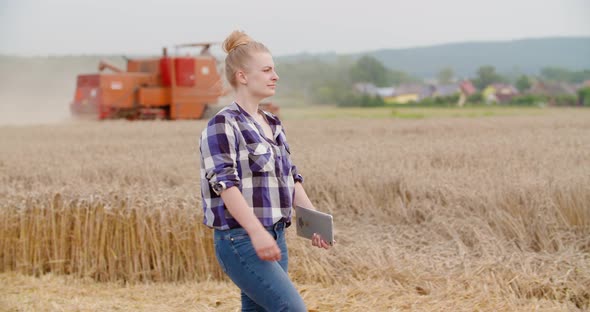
{"x":275,"y":77}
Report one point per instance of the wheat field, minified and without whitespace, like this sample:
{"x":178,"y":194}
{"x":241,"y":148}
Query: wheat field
{"x":435,"y":214}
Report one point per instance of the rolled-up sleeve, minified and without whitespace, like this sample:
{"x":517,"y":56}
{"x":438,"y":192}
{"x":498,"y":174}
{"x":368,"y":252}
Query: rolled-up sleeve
{"x":296,"y":176}
{"x":219,"y":154}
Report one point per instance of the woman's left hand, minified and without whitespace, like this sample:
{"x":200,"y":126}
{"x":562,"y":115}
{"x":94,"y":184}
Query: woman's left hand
{"x":317,"y":241}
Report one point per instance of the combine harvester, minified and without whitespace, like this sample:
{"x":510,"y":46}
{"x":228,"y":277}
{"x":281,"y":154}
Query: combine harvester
{"x":152,"y":88}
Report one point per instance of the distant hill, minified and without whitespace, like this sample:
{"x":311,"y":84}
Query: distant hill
{"x":526,"y":56}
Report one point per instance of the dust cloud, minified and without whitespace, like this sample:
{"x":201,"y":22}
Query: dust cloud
{"x":38,"y":90}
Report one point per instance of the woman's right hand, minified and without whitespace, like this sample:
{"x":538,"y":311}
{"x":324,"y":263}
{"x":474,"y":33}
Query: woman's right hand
{"x":265,"y":245}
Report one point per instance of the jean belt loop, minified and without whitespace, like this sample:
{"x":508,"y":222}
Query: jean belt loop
{"x":279,"y":226}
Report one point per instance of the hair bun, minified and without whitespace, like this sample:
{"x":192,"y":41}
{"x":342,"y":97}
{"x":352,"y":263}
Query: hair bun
{"x":237,"y":59}
{"x":234,"y":40}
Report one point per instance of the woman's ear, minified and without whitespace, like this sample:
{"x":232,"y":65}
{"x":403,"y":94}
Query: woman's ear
{"x":241,"y":77}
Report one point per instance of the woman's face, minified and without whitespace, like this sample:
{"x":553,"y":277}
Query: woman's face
{"x":261,"y":78}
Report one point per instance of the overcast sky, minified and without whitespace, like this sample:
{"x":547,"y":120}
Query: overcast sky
{"x":41,"y":27}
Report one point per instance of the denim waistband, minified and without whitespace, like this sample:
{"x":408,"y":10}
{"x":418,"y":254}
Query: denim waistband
{"x":279,"y":226}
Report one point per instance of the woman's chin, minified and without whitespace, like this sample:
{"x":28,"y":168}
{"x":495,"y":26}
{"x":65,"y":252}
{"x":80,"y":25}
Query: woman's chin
{"x":267,"y":93}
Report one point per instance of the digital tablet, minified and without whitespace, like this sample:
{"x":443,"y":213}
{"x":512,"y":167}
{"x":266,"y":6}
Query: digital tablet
{"x":310,"y":221}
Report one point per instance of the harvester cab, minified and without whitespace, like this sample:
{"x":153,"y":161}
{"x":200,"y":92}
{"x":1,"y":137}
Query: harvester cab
{"x":166,"y":87}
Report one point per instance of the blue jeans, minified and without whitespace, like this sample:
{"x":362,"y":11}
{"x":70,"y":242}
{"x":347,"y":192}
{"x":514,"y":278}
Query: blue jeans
{"x":265,"y":285}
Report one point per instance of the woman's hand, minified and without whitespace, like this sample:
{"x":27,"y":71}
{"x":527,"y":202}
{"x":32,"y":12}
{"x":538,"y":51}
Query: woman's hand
{"x":301,"y":199}
{"x":317,"y":241}
{"x":265,"y":245}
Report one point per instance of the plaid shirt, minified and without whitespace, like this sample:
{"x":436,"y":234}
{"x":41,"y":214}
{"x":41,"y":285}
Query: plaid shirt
{"x":235,"y":152}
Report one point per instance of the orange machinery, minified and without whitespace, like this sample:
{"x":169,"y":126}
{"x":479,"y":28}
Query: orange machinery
{"x":153,"y":88}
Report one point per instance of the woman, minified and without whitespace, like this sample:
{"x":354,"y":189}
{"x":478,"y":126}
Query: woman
{"x":249,"y":184}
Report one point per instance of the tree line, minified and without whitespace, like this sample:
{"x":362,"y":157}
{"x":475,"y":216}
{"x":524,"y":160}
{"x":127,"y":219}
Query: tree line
{"x":318,"y":82}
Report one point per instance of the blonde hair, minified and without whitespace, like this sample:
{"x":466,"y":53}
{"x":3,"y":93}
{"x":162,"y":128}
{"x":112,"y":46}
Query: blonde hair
{"x":239,"y":48}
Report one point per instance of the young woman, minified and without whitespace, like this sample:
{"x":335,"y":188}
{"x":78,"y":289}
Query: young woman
{"x":249,"y":184}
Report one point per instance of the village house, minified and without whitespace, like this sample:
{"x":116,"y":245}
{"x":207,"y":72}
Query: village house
{"x":365,"y":88}
{"x":446,"y":89}
{"x":499,"y":93}
{"x":372,"y":90}
{"x":407,"y":93}
{"x":467,"y":88}
{"x":552,"y":88}
{"x":415,"y":92}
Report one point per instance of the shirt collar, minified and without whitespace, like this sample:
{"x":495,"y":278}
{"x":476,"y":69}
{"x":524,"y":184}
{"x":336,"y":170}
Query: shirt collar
{"x":275,"y":124}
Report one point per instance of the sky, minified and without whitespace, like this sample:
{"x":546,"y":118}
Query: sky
{"x":66,"y":27}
